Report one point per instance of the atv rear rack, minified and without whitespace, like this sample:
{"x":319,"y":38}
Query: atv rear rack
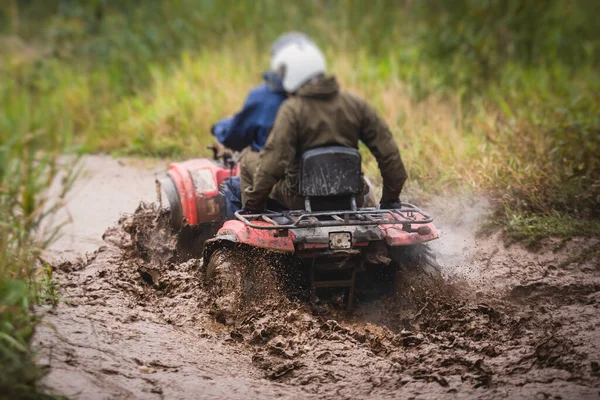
{"x":406,"y":215}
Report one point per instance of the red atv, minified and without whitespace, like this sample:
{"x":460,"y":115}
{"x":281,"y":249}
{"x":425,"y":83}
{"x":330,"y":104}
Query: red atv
{"x":333,"y":242}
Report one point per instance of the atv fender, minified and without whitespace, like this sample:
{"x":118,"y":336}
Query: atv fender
{"x":269,"y":239}
{"x":219,"y":242}
{"x":396,"y":236}
{"x":236,"y":232}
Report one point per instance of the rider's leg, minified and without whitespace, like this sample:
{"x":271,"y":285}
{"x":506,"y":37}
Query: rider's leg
{"x":248,"y":166}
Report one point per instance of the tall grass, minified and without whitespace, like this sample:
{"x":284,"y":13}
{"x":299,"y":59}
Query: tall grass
{"x":32,"y":139}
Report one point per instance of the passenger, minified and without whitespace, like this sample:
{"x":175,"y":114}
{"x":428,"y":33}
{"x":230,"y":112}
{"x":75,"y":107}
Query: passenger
{"x":317,"y":114}
{"x":252,"y":124}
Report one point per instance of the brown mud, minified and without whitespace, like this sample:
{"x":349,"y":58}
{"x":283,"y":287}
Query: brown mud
{"x":136,"y":320}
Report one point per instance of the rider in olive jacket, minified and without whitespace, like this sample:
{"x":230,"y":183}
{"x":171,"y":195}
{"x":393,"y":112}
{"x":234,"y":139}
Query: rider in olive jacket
{"x":318,"y":114}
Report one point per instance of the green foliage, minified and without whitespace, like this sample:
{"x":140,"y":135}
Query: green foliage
{"x":531,"y":229}
{"x":127,"y":38}
{"x":19,"y":374}
{"x":33,"y":137}
{"x":47,"y":292}
{"x":472,"y":40}
{"x":550,"y":134}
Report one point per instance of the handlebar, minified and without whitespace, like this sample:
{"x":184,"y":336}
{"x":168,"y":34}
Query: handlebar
{"x":220,"y":154}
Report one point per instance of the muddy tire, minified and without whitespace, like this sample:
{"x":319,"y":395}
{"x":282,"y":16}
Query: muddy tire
{"x":417,"y":258}
{"x":224,"y":276}
{"x":239,"y":277}
{"x":418,"y":276}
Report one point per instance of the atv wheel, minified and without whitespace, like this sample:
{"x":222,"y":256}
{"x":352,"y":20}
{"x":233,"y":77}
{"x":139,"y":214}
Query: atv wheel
{"x":418,"y":258}
{"x":224,"y":275}
{"x":167,"y":186}
{"x":417,"y":277}
{"x":240,"y":276}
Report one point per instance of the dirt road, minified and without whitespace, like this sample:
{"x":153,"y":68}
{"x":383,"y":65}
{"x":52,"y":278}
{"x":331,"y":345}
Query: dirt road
{"x":505,"y":322}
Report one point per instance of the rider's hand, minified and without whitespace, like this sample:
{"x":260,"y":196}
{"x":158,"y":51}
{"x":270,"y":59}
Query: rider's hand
{"x":219,"y":148}
{"x":390,"y":204}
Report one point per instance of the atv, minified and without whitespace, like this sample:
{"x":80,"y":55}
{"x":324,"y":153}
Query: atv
{"x":335,"y":242}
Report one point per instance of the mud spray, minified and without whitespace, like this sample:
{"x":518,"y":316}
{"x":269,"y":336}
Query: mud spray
{"x":138,"y":320}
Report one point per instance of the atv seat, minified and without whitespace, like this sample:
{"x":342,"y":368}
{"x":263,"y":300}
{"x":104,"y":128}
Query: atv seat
{"x":330,"y":178}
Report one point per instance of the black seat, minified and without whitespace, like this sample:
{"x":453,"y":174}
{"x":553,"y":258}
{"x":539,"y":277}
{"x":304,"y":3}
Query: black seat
{"x":331,"y":173}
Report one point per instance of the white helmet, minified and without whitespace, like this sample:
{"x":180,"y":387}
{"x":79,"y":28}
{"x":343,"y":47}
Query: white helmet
{"x":297,"y":63}
{"x":288,"y":38}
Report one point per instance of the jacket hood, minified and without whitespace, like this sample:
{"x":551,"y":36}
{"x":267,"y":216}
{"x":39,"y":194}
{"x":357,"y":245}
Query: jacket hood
{"x":320,"y":87}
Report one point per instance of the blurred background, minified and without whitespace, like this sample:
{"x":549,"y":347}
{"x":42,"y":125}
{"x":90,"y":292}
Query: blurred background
{"x":494,"y":94}
{"x":494,"y":98}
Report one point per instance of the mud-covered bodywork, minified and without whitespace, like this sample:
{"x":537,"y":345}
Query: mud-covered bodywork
{"x":301,"y":239}
{"x":192,"y":191}
{"x":332,"y":248}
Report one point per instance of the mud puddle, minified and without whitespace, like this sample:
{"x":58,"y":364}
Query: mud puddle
{"x":136,"y":322}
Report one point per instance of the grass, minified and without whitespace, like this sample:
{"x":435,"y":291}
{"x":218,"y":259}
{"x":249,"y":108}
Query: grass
{"x":20,"y":374}
{"x":25,"y":176}
{"x":32,"y":140}
{"x":532,"y":230}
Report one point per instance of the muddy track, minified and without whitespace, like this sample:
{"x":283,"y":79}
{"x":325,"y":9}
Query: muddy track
{"x":137,"y":320}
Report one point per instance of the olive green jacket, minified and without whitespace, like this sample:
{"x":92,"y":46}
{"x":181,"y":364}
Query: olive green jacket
{"x":319,"y":114}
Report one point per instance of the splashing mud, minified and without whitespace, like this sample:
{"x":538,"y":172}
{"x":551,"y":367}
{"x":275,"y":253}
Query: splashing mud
{"x":138,"y":320}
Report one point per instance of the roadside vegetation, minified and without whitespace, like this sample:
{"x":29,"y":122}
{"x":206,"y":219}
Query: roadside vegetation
{"x":30,"y":164}
{"x":498,"y":97}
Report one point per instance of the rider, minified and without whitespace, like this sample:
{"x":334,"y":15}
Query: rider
{"x":317,"y":113}
{"x":252,"y":124}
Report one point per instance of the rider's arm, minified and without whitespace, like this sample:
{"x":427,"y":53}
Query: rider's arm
{"x":378,"y":138}
{"x":221,"y":130}
{"x":237,"y":132}
{"x":252,"y":124}
{"x":275,"y":157}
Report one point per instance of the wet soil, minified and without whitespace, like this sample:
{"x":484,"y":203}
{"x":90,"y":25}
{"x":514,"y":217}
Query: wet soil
{"x":135,"y":320}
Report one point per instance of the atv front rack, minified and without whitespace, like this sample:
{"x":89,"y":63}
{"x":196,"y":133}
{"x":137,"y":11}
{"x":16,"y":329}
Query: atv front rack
{"x":406,"y":215}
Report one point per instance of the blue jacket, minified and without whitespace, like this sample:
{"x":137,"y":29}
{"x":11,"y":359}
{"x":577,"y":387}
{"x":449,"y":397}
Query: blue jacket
{"x":251,"y":126}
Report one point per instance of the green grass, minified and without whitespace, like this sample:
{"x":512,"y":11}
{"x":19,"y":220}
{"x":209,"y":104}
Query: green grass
{"x":533,"y":228}
{"x":33,"y":137}
{"x":24,"y":207}
{"x":20,"y":375}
